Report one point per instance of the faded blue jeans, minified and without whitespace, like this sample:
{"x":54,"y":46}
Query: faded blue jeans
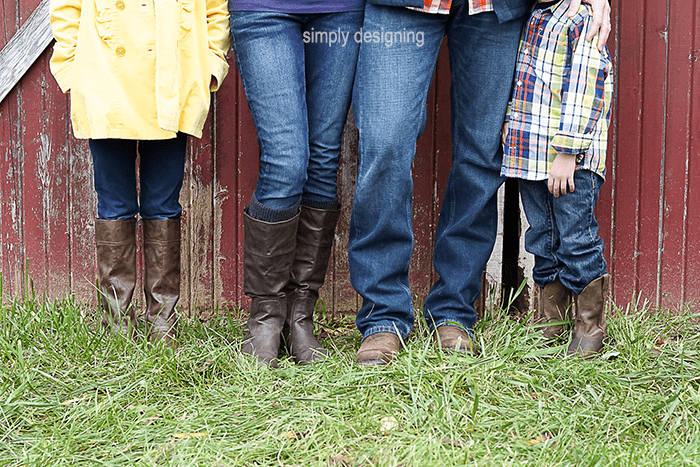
{"x":389,"y":103}
{"x":563,"y":232}
{"x":299,"y":94}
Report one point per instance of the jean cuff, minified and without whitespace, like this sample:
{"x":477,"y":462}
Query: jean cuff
{"x":391,"y":329}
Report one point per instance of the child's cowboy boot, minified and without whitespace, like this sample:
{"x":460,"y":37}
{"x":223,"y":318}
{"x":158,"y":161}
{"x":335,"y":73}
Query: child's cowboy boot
{"x":590,"y":325}
{"x":555,"y":303}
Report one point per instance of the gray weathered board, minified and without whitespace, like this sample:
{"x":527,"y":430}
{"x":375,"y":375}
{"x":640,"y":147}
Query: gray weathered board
{"x":24,"y":48}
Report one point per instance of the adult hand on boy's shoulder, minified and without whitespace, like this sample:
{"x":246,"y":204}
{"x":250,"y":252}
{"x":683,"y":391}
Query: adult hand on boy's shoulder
{"x":601,"y":19}
{"x":561,"y":174}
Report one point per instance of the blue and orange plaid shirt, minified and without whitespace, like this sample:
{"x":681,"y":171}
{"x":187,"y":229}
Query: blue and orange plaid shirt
{"x":442,"y":7}
{"x":561,"y":98}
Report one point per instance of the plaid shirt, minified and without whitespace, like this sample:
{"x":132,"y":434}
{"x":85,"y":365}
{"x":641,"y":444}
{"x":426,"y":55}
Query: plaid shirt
{"x":443,"y":6}
{"x":561,"y":97}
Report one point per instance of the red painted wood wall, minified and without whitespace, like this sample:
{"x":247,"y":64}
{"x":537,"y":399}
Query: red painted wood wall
{"x":649,"y":210}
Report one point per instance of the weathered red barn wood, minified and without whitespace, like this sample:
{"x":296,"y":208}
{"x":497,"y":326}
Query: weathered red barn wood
{"x":10,"y":181}
{"x":692,"y":250}
{"x":648,"y":210}
{"x":628,"y":130}
{"x":678,"y":115}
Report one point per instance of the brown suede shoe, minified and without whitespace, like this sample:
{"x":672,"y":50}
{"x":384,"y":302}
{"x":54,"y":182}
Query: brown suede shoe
{"x":455,"y":339}
{"x":378,"y":348}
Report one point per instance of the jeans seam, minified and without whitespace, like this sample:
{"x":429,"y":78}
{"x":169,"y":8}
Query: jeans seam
{"x":552,"y":228}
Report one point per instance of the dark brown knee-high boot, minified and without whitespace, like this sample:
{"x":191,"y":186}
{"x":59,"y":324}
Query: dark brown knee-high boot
{"x":161,"y":257}
{"x":555,"y":304}
{"x":116,"y":267}
{"x":314,"y":244}
{"x":590,"y":325}
{"x":268,"y":253}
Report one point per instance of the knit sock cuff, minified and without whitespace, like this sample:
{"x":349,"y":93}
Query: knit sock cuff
{"x":318,"y":203}
{"x":259,"y":211}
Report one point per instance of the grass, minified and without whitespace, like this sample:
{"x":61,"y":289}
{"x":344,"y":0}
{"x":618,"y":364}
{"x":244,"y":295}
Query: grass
{"x":72,"y":395}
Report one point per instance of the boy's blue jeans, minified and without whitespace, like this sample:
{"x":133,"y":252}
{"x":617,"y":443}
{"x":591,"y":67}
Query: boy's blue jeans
{"x":563,"y":233}
{"x":161,"y":171}
{"x":389,"y":104}
{"x":299,"y":94}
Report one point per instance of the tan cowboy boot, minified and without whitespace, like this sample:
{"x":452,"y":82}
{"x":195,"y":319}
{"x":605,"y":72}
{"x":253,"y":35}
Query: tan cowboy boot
{"x":590,"y":325}
{"x":554,"y":306}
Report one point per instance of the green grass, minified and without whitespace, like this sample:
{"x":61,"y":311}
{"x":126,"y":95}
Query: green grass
{"x":72,"y":395}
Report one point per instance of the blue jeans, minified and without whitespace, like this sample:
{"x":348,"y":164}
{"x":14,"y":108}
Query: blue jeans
{"x":161,"y":171}
{"x":563,"y":233}
{"x":389,"y":103}
{"x":299,"y":94}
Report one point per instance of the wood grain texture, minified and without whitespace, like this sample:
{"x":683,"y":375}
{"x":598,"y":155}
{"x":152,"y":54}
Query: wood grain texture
{"x":24,"y":48}
{"x":649,"y":208}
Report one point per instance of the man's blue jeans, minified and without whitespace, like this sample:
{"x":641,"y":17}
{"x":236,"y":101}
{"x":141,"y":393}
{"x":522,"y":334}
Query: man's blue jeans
{"x":161,"y":171}
{"x":563,"y":232}
{"x":299,"y":94}
{"x":389,"y":103}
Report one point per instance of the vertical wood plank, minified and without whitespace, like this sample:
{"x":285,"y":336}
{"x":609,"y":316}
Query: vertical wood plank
{"x":692,"y":256}
{"x":35,"y":155}
{"x":248,"y":167}
{"x":54,"y":180}
{"x":226,"y":167}
{"x":10,"y":170}
{"x":339,"y":298}
{"x":653,"y":157}
{"x":82,"y":211}
{"x":676,"y":182}
{"x":627,"y":183}
{"x":420,"y":275}
{"x":198,"y":223}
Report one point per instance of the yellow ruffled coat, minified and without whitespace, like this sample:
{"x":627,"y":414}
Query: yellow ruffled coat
{"x":139,"y":69}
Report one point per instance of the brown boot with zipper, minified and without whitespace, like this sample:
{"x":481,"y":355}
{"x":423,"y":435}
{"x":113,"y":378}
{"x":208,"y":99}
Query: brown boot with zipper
{"x":116,"y":268}
{"x":554,"y":306}
{"x":268,"y":252}
{"x":161,"y":257}
{"x":590,"y":325}
{"x":315,"y":236}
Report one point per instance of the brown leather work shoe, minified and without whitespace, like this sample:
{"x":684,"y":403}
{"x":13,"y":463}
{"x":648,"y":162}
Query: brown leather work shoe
{"x":378,"y":348}
{"x":454,"y":338}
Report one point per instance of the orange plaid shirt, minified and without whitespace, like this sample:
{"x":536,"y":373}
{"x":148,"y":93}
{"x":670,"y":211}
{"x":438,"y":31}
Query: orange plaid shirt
{"x":443,"y":6}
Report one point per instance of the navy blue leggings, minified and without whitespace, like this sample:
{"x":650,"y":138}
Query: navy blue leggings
{"x":161,"y":171}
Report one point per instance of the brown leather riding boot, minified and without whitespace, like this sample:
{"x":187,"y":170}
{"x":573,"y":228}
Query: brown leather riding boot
{"x":116,"y":268}
{"x":268,"y":252}
{"x":590,"y":325}
{"x":315,"y":236}
{"x":554,"y":306}
{"x":161,"y":284}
